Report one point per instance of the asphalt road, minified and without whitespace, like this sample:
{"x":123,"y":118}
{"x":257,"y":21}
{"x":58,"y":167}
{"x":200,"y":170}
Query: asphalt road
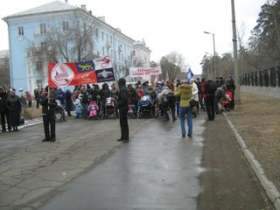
{"x":156,"y":170}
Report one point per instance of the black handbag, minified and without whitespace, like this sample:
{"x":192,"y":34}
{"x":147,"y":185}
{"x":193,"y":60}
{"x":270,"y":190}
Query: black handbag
{"x":192,"y":103}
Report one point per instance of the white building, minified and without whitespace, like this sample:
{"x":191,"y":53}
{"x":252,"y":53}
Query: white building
{"x":141,"y":54}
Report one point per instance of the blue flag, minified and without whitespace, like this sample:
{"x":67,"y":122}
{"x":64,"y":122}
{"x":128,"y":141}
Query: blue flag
{"x":189,"y":75}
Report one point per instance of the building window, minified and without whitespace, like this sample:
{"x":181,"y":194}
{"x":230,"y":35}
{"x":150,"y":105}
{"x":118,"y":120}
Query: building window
{"x":20,"y":31}
{"x":103,"y":51}
{"x":120,"y":48}
{"x":65,"y":26}
{"x":96,"y":33}
{"x":102,"y":36}
{"x":107,"y":38}
{"x":85,"y":26}
{"x":43,"y":29}
{"x":43,"y":45}
{"x":111,"y":39}
{"x":39,"y":66}
{"x":39,"y":83}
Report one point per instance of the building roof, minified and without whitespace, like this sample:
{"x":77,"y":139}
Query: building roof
{"x":54,"y":6}
{"x":58,"y":6}
{"x":141,"y":44}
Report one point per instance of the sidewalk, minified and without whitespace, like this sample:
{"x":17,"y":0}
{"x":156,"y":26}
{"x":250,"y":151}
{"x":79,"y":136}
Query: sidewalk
{"x":257,"y":120}
{"x":228,"y":182}
{"x":32,"y":122}
{"x":30,"y":169}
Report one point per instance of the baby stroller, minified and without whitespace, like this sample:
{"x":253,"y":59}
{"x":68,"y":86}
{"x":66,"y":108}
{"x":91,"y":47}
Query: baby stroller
{"x":59,"y":112}
{"x":132,"y":113}
{"x":93,"y":110}
{"x":228,"y":100}
{"x":110,"y":107}
{"x":194,"y":106}
{"x":166,"y":105}
{"x":145,"y":107}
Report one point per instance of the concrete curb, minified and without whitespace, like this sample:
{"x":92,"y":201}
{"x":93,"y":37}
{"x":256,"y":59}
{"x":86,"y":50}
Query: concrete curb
{"x":31,"y":123}
{"x":270,"y":189}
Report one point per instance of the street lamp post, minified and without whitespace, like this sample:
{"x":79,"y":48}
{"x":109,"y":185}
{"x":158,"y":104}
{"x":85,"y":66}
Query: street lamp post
{"x":214,"y":51}
{"x":234,"y":40}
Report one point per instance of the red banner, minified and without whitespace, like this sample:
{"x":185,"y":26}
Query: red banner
{"x":70,"y":74}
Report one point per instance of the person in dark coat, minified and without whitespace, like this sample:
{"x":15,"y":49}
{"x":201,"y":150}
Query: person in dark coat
{"x":68,"y":102}
{"x":95,"y":94}
{"x":210,"y":89}
{"x":4,"y":112}
{"x":48,"y":113}
{"x":104,"y":93}
{"x":84,"y":101}
{"x":177,"y":98}
{"x":123,"y":110}
{"x":132,"y":97}
{"x":37,"y":97}
{"x":14,"y":107}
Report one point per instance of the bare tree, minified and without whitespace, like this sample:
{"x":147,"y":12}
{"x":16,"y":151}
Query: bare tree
{"x":171,"y":65}
{"x":70,"y":43}
{"x":4,"y":71}
{"x":176,"y":58}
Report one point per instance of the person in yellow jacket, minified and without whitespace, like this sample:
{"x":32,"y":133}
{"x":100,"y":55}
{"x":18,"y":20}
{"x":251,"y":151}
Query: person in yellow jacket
{"x":184,"y":91}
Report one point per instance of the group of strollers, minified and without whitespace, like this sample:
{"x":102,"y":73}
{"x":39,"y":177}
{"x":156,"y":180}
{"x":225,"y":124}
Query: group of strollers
{"x":95,"y":108}
{"x":143,"y":101}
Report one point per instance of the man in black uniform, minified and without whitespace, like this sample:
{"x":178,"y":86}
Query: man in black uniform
{"x":123,"y":109}
{"x":210,"y":99}
{"x":48,"y":111}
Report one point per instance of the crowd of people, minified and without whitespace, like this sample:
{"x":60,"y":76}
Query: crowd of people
{"x":10,"y":110}
{"x":160,"y":99}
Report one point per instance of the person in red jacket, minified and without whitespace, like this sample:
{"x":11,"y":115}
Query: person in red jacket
{"x":140,"y":91}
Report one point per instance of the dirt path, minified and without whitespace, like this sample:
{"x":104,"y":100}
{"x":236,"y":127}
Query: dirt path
{"x":257,"y":119}
{"x":228,"y":182}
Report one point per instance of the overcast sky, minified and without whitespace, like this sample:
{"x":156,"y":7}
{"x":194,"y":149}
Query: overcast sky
{"x":166,"y":25}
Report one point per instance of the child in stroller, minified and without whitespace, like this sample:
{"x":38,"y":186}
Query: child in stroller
{"x":93,"y":109}
{"x":110,"y":107}
{"x":78,"y":107}
{"x":145,"y":106}
{"x":228,"y":100}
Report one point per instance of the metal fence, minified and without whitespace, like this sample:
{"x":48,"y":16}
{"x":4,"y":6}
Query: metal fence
{"x":265,"y":78}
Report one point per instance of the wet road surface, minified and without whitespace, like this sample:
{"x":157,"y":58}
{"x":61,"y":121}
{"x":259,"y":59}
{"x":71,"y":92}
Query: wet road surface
{"x":156,"y":170}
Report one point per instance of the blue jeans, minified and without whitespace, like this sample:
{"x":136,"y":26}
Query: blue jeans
{"x":178,"y":108}
{"x":78,"y":115}
{"x":183,"y":112}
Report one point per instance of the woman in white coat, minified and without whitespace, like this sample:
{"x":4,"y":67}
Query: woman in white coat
{"x":195,"y":98}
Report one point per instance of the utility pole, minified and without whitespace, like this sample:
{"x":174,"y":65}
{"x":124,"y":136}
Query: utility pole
{"x":234,"y":40}
{"x":214,"y":54}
